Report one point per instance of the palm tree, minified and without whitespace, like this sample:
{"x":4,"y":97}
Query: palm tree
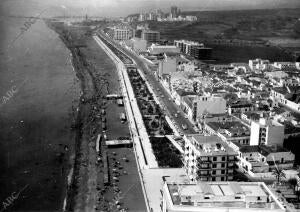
{"x":279,"y":174}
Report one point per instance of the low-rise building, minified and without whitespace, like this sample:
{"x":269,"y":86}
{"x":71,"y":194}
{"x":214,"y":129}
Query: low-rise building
{"x":288,"y":96}
{"x":160,"y":49}
{"x":263,"y":159}
{"x":284,"y":65}
{"x":229,"y":131}
{"x":240,"y":107}
{"x":208,"y":158}
{"x":138,"y":44}
{"x":219,"y":197}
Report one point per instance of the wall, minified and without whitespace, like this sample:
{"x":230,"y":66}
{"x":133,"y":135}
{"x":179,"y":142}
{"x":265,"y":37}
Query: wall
{"x":213,"y":105}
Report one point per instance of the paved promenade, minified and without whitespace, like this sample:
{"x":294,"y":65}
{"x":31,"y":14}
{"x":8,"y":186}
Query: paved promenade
{"x":150,"y":174}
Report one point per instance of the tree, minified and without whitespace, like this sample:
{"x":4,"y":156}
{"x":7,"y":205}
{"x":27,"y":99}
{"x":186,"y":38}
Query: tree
{"x":293,"y":182}
{"x":279,"y":174}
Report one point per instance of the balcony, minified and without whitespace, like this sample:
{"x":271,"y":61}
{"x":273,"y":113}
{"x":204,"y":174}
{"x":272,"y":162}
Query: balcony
{"x":232,"y":159}
{"x":203,"y":167}
{"x":203,"y":174}
{"x":200,"y":160}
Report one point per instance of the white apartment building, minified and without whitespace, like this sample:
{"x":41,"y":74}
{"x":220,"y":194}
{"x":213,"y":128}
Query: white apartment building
{"x":120,"y":33}
{"x":219,"y":197}
{"x":208,"y":158}
{"x":266,"y":131}
{"x":198,"y":106}
{"x":259,"y":64}
{"x":169,"y":64}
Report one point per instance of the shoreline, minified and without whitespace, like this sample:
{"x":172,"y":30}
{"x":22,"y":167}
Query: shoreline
{"x":70,"y":190}
{"x":98,"y":77}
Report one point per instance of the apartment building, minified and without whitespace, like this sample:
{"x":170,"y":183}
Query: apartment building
{"x":259,"y":64}
{"x":208,"y":158}
{"x":266,"y":131}
{"x":194,"y":49}
{"x":120,"y":33}
{"x":151,"y":36}
{"x":169,"y":64}
{"x":198,"y":106}
{"x":219,"y":197}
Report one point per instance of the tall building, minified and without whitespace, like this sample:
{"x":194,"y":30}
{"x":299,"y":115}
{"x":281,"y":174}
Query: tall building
{"x":208,"y":158}
{"x":219,"y":196}
{"x":142,"y":17}
{"x":174,"y":12}
{"x":266,"y":131}
{"x":150,"y":36}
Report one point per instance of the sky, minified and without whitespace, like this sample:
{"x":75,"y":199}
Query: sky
{"x":116,"y":8}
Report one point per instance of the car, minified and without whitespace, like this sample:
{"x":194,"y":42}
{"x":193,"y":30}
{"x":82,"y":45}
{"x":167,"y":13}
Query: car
{"x":162,"y":96}
{"x":184,"y":127}
{"x":176,"y":115}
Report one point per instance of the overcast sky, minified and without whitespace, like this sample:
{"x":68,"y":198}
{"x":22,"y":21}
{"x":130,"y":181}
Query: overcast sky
{"x":114,"y":8}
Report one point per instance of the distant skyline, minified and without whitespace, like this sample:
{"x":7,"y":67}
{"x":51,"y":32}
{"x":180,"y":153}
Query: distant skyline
{"x":117,"y":8}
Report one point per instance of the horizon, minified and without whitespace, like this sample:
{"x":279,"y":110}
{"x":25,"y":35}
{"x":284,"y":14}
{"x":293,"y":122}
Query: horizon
{"x":123,"y":8}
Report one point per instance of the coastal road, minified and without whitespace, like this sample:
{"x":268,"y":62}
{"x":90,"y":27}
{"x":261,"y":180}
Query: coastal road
{"x":170,"y":108}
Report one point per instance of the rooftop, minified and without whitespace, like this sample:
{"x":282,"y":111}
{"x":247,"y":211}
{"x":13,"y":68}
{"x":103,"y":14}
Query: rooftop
{"x":210,"y":145}
{"x":234,"y":128}
{"x":223,"y":195}
{"x":262,"y":149}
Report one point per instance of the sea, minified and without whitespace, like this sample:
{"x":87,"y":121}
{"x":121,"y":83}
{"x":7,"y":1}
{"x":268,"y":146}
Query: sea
{"x":39,"y":94}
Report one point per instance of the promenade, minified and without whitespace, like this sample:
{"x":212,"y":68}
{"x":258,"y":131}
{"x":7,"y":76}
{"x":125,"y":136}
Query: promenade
{"x":150,"y":174}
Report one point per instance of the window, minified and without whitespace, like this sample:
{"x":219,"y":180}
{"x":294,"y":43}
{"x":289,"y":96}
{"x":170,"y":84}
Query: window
{"x":258,"y":198}
{"x":222,"y":178}
{"x":206,"y":198}
{"x":222,"y":171}
{"x":213,"y":172}
{"x":214,"y":165}
{"x":223,"y":165}
{"x":214,"y":158}
{"x":237,"y":197}
{"x":223,"y":158}
{"x":213,"y":179}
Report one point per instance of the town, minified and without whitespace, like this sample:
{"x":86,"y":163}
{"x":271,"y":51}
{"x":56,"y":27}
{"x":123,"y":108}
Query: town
{"x":234,"y":126}
{"x":156,"y":106}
